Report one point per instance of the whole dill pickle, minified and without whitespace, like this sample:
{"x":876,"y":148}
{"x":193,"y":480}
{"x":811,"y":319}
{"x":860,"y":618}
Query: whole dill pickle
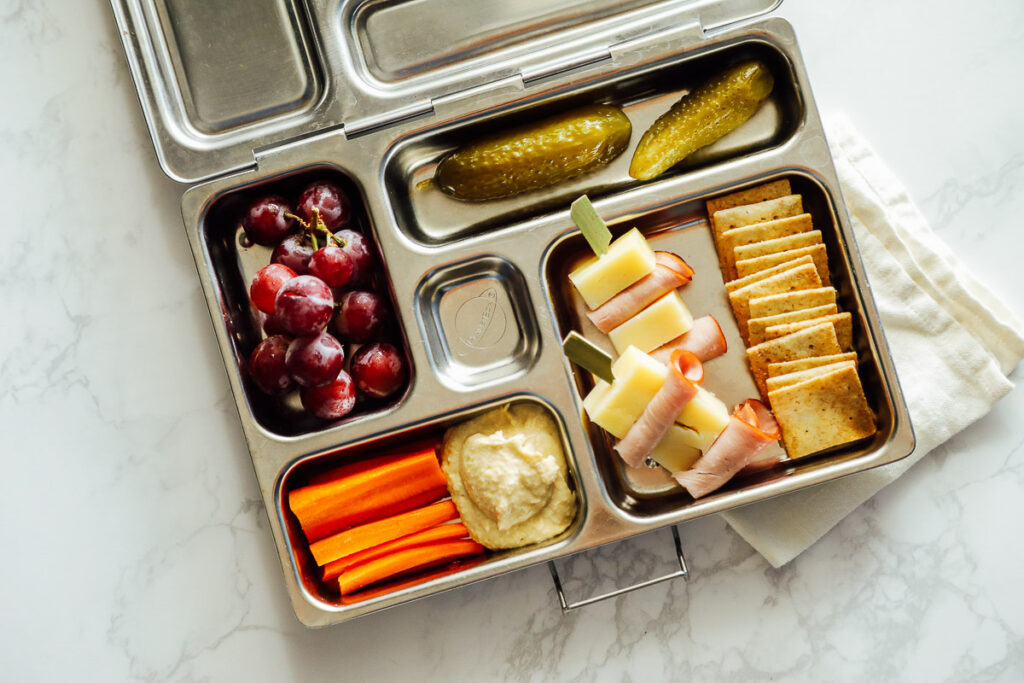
{"x":535,"y":155}
{"x":701,"y":117}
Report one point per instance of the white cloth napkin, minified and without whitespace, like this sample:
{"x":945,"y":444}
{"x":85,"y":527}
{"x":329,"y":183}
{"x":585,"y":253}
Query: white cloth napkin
{"x":953,"y":343}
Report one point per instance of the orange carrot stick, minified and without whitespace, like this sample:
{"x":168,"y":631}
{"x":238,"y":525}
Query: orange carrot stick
{"x":415,"y":448}
{"x":383,"y":530}
{"x":394,"y":485}
{"x":413,"y":580}
{"x":445,"y":532}
{"x":403,"y":561}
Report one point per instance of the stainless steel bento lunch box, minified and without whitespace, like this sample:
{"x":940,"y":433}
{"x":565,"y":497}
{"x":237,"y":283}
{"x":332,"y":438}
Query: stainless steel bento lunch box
{"x":241,"y":95}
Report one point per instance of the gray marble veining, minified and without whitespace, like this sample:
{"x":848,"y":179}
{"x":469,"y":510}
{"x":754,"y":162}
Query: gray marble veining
{"x":137,"y":546}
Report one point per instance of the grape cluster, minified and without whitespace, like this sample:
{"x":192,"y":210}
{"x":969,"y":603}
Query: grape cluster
{"x":317,"y":295}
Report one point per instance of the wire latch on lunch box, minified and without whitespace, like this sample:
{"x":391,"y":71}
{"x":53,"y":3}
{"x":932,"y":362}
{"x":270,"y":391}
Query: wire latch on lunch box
{"x":681,"y":573}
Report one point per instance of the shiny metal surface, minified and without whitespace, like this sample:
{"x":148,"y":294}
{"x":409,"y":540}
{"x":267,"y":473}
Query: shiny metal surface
{"x":477,"y":321}
{"x":223,"y":83}
{"x":533,"y":246}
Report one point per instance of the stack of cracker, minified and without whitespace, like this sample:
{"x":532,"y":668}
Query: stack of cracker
{"x":799,"y":344}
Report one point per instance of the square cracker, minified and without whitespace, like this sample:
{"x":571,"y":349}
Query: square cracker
{"x":757,"y":264}
{"x":780,"y":381}
{"x":791,"y":366}
{"x":842,"y":321}
{"x":798,"y":241}
{"x":733,"y":285}
{"x":757,"y":326}
{"x":822,"y":412}
{"x":796,"y":278}
{"x":774,"y":304}
{"x":748,"y":214}
{"x":752,"y":195}
{"x":819,"y":340}
{"x":758,"y":232}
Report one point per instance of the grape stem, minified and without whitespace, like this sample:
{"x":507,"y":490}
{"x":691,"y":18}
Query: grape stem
{"x":317,"y":224}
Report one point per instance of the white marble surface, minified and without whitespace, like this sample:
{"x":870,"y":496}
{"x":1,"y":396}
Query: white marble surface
{"x":135,"y":543}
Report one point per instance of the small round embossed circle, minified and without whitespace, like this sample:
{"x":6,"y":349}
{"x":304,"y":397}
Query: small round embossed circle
{"x":480,"y":322}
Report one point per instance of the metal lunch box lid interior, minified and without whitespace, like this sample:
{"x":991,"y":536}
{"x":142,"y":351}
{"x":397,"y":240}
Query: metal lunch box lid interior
{"x":223,"y":81}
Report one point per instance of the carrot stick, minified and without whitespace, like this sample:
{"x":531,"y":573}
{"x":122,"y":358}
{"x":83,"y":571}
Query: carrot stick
{"x":403,"y":561}
{"x":350,"y":468}
{"x":394,"y":485}
{"x":416,"y":579}
{"x":381,"y":531}
{"x":445,"y":532}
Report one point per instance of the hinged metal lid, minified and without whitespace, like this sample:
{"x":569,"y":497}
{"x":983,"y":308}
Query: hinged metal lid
{"x":222,"y":82}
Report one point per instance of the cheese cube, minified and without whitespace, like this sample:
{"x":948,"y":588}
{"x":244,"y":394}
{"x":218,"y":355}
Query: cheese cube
{"x":617,"y":406}
{"x":628,"y":259}
{"x":675,"y":452}
{"x":659,"y":323}
{"x":707,"y":416}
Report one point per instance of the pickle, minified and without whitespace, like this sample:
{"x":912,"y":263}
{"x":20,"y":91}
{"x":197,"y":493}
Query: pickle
{"x":535,"y":155}
{"x":701,"y":117}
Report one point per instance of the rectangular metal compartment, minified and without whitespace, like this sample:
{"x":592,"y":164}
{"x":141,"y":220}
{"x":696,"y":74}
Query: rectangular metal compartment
{"x":682,"y":228}
{"x":379,"y":135}
{"x":429,"y":216}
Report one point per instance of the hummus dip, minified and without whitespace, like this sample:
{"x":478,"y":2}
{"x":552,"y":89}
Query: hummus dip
{"x":507,"y":475}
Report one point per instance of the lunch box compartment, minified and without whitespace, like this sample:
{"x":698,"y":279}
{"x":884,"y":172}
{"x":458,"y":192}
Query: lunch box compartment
{"x":477,"y":321}
{"x":682,"y":228}
{"x":431,"y":217}
{"x":299,"y":474}
{"x":235,"y":261}
{"x":372,"y":94}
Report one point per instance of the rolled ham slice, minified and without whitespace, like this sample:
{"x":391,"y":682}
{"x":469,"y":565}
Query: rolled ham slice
{"x":704,"y":340}
{"x":685,"y":372}
{"x":750,"y":429}
{"x":669,"y":272}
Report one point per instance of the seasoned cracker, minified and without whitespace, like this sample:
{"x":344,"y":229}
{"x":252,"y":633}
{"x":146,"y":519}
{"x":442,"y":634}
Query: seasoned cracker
{"x":799,"y":241}
{"x":758,"y":232}
{"x":733,"y":285}
{"x":786,"y":380}
{"x":796,"y":278}
{"x":774,"y":304}
{"x":819,"y":340}
{"x":791,"y":366}
{"x":757,"y":326}
{"x":842,"y":321}
{"x":822,"y":412}
{"x":759,"y":264}
{"x":753,"y":195}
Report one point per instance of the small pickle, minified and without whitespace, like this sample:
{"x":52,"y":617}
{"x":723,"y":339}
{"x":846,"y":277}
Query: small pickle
{"x":535,"y":155}
{"x":701,"y":117}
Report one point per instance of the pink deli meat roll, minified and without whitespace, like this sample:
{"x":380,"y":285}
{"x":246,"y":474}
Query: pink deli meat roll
{"x":704,"y":340}
{"x":685,"y":372}
{"x":669,"y":272}
{"x":751,"y":428}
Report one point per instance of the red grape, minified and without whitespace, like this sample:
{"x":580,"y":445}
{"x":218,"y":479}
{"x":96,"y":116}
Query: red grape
{"x":304,"y":305}
{"x":378,"y":370}
{"x":265,"y":222}
{"x":331,"y":401}
{"x":334,"y":207}
{"x":264,"y":287}
{"x":294,"y":252}
{"x":332,"y":265}
{"x":361,"y":317}
{"x":315,"y":360}
{"x":358,"y":249}
{"x":270,"y":325}
{"x":267,"y":366}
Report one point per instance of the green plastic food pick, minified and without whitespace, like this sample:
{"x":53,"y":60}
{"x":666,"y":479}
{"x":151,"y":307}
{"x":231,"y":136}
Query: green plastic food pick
{"x":587,"y":356}
{"x":597,"y":234}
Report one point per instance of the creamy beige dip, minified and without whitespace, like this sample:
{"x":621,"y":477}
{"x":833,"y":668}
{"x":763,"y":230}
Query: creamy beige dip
{"x":507,"y":475}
